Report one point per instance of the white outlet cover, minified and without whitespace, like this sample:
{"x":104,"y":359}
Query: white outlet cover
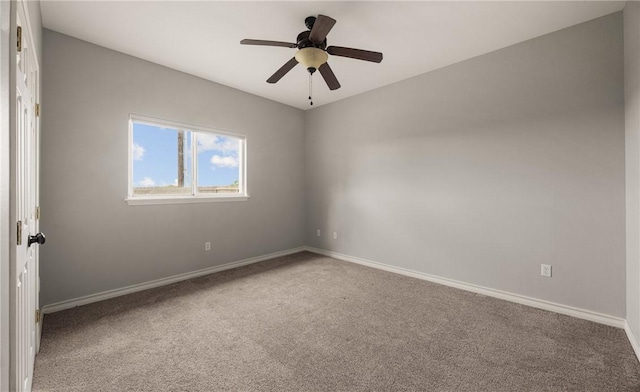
{"x":545,"y":270}
{"x":335,"y":235}
{"x":318,"y":232}
{"x":207,"y":246}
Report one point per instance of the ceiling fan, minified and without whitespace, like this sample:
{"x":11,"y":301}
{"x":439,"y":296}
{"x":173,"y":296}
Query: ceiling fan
{"x":312,"y":51}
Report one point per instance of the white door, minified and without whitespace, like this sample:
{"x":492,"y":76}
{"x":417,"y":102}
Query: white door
{"x":26,"y":268}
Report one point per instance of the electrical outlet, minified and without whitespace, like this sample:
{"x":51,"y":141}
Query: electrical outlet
{"x":545,"y":270}
{"x":318,"y":232}
{"x":207,"y":246}
{"x":335,"y":235}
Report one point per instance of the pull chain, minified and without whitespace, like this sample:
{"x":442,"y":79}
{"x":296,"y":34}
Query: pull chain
{"x":310,"y":89}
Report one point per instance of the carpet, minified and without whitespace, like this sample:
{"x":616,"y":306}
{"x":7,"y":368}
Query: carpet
{"x":306,"y":322}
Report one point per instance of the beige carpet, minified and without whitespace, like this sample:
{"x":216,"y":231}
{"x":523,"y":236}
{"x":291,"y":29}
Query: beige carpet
{"x":312,"y":323}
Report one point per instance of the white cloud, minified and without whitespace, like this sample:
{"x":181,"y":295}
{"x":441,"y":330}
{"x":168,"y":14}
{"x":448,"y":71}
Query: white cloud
{"x":138,"y":152}
{"x":208,"y":142}
{"x":175,"y":182}
{"x":228,"y":161}
{"x":147,"y":182}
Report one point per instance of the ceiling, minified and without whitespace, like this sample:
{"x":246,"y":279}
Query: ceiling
{"x":202,"y":38}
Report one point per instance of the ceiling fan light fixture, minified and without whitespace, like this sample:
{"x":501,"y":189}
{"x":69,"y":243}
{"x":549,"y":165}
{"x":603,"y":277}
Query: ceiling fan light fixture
{"x":311,"y":58}
{"x":313,"y":52}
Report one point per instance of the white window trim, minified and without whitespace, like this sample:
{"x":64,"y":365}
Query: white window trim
{"x":135,"y":200}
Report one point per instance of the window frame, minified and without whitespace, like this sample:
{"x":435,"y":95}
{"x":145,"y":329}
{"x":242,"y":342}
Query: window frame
{"x":195,"y":196}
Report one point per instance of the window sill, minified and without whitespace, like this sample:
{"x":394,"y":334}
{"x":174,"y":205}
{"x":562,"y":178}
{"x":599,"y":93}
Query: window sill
{"x":141,"y":201}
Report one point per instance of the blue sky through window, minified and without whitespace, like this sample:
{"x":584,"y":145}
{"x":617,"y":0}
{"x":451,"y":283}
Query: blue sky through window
{"x":155,"y":157}
{"x":218,"y":163}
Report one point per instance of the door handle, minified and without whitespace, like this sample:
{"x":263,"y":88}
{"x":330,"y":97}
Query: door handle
{"x":38,"y":239}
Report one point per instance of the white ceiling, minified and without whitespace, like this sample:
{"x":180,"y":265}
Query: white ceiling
{"x":203,"y":38}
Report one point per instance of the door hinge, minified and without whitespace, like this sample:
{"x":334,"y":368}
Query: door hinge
{"x":38,"y":212}
{"x":37,"y":110}
{"x":19,"y":48}
{"x":19,"y":234}
{"x":38,"y":316}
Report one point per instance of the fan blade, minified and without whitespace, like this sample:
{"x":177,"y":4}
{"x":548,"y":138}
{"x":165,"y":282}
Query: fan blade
{"x":329,"y":77}
{"x":357,"y":54}
{"x":283,"y":70}
{"x":321,"y":28}
{"x":267,"y":43}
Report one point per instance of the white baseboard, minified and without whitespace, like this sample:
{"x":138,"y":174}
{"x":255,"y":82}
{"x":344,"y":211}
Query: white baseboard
{"x":56,"y":307}
{"x":520,"y":299}
{"x":632,"y":339}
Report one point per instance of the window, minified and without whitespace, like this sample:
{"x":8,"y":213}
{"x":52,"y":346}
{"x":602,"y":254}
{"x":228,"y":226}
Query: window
{"x":171,"y":162}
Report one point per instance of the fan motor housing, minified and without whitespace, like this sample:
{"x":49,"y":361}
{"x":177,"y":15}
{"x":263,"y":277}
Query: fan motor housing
{"x":304,"y":41}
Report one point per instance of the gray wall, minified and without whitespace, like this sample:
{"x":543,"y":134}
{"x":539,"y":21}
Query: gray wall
{"x":95,"y":241}
{"x":632,"y":132}
{"x":485,"y":169}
